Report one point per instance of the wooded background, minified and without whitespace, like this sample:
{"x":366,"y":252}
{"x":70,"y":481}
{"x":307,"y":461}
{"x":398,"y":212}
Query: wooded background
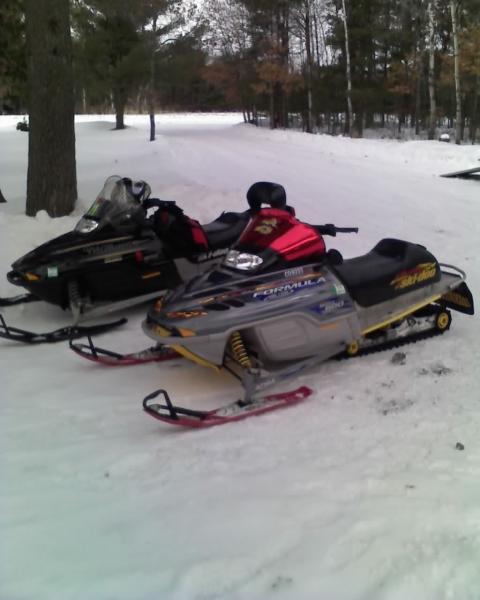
{"x":334,"y":66}
{"x":291,"y":61}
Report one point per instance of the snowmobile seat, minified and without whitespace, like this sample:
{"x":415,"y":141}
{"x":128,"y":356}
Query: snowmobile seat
{"x":391,"y":268}
{"x":226,"y":229}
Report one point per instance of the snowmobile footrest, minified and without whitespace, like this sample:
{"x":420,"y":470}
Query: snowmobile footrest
{"x":241,"y":409}
{"x":58,"y":335}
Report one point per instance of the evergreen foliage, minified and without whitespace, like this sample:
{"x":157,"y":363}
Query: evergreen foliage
{"x":283,"y":60}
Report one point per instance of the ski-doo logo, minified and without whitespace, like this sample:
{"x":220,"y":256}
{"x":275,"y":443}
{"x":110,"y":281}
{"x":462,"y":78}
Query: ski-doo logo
{"x":287,"y":289}
{"x":266,"y":226}
{"x":205,"y":256}
{"x":420,"y":273}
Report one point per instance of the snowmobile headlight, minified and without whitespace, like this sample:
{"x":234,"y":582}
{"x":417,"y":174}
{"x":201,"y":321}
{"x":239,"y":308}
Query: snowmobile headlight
{"x":242,"y":260}
{"x":86,"y":225}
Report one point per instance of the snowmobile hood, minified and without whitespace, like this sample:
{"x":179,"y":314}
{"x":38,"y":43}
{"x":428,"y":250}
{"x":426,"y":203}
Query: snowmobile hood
{"x":61,"y":246}
{"x":277,"y":234}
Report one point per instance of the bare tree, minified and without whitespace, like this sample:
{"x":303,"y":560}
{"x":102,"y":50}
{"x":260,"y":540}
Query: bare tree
{"x":51,"y":180}
{"x":456,"y":57}
{"x":348,"y":70}
{"x":302,"y":17}
{"x":431,"y":69}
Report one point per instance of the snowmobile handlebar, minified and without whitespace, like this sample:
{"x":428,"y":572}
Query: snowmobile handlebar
{"x":156,"y":202}
{"x":330,"y":229}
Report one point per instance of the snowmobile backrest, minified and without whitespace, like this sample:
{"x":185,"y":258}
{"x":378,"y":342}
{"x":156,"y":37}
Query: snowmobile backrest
{"x":266,"y":192}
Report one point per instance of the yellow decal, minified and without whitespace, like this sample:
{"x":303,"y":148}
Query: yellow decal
{"x":158,"y":305}
{"x":400,"y":315}
{"x":184,"y":332}
{"x":266,"y":226}
{"x":31,"y":277}
{"x":194,"y":357}
{"x":150,"y":275}
{"x":162,"y":331}
{"x":456,"y":298}
{"x":186,"y":314}
{"x":420,"y":273}
{"x":329,"y":326}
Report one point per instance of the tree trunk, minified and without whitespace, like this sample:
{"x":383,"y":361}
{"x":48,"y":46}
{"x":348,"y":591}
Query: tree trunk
{"x":119,"y":102}
{"x":348,"y":71}
{"x":431,"y":71}
{"x":2,"y":197}
{"x":51,"y":179}
{"x":273,"y":124}
{"x":151,"y":86}
{"x":84,"y":101}
{"x":458,"y":95}
{"x":419,"y":51}
{"x":474,"y":119}
{"x":418,"y":104}
{"x":308,"y":48}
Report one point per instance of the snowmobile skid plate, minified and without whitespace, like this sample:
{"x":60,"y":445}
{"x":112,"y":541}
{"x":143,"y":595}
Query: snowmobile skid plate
{"x":113,"y":359}
{"x":186,"y":417}
{"x":58,"y":335}
{"x":19,"y":299}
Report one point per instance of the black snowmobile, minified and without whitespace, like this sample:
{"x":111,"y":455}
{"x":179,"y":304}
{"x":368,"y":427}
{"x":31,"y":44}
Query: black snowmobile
{"x":279,"y":304}
{"x":128,"y":248}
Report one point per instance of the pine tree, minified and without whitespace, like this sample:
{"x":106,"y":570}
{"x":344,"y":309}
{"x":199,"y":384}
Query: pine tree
{"x":51,"y":180}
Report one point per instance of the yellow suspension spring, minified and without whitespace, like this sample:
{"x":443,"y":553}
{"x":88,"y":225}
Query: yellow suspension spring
{"x":239,"y":350}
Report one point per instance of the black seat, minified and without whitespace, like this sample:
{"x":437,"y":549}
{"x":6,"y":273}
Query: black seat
{"x":226,"y":229}
{"x":392,"y":268}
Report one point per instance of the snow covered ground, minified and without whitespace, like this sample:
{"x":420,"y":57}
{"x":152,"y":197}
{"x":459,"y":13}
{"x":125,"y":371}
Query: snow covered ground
{"x":359,"y":493}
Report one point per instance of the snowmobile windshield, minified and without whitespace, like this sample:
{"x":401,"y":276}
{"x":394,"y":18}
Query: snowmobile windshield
{"x":115,"y":205}
{"x":274,"y":233}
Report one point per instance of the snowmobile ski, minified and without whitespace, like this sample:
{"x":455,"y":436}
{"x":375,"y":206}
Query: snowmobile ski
{"x":109,"y":358}
{"x":63,"y":334}
{"x":19,"y":299}
{"x":236,"y":411}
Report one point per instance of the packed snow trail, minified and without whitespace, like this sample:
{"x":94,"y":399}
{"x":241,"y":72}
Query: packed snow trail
{"x":359,"y":492}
